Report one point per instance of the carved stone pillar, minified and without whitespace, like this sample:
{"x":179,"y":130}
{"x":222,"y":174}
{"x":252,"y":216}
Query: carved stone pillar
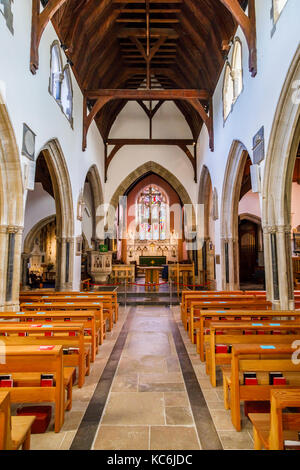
{"x":267,"y":230}
{"x":278,"y":266}
{"x":10,"y":262}
{"x":64,"y":263}
{"x":230,"y":268}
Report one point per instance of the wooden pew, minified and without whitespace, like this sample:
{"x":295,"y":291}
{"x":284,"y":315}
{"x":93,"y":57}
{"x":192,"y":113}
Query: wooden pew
{"x":95,"y":307}
{"x":35,"y":333}
{"x":87,"y":318}
{"x":270,"y":430}
{"x":198,"y":295}
{"x":261,"y":359}
{"x":108,"y":312}
{"x":15,"y":431}
{"x":30,"y":359}
{"x":191,"y":299}
{"x":206,"y":316}
{"x":196,"y":307}
{"x":108,"y":298}
{"x":233,"y":334}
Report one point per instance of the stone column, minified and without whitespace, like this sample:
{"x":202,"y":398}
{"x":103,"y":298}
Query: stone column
{"x":278,"y":266}
{"x":10,"y":263}
{"x":65,"y":249}
{"x":267,"y":230}
{"x":285,"y":276}
{"x":3,"y":264}
{"x":230,"y":268}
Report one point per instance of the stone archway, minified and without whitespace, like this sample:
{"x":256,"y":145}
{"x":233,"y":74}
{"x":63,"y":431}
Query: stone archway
{"x":206,"y":253}
{"x":277,"y":189}
{"x":154,"y":168}
{"x":29,"y":243}
{"x":138,"y":173}
{"x":93,"y":177}
{"x":229,"y":215}
{"x":65,"y":242}
{"x":11,"y":213}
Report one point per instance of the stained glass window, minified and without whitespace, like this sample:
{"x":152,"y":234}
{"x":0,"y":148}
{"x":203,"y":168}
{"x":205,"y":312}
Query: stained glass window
{"x":152,"y":214}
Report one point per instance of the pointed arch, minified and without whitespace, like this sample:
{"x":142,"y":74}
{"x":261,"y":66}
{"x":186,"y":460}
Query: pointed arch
{"x":33,"y":232}
{"x":11,"y":213}
{"x":65,"y":243}
{"x":155,"y":168}
{"x":93,"y":177}
{"x":229,"y":215}
{"x":277,"y":189}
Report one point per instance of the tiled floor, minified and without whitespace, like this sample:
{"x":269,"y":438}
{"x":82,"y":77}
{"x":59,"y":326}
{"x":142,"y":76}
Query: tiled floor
{"x":151,"y":400}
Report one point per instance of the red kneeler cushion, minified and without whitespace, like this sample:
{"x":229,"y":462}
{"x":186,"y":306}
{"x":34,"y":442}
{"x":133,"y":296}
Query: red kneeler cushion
{"x":42,"y":414}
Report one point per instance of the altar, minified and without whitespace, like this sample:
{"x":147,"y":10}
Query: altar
{"x":152,"y":266}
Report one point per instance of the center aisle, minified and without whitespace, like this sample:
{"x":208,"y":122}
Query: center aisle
{"x":148,"y":396}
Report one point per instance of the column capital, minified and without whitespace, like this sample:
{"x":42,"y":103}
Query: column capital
{"x":268,"y":229}
{"x":11,"y":229}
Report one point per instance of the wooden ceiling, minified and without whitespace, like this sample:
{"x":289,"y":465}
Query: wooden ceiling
{"x":108,"y":42}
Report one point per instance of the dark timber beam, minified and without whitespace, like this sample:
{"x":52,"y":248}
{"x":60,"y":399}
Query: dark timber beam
{"x":38,"y":24}
{"x":248,"y":25}
{"x":103,"y":97}
{"x":181,"y":143}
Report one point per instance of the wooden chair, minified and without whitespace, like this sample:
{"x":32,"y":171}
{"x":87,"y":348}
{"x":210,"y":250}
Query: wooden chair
{"x":15,"y":431}
{"x":271,"y":430}
{"x":41,"y":359}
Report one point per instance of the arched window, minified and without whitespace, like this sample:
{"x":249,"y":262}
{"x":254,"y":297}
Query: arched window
{"x":237,"y":69}
{"x":67,"y":93}
{"x":152,"y":214}
{"x":55,"y":72}
{"x":278,"y":6}
{"x":228,"y":92}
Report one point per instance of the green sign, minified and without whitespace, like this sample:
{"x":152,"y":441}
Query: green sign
{"x":103,"y":248}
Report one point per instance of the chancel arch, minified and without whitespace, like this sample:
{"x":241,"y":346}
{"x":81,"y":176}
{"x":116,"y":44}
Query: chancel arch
{"x":152,"y":175}
{"x":11,"y":213}
{"x":277,"y":190}
{"x":53,"y":182}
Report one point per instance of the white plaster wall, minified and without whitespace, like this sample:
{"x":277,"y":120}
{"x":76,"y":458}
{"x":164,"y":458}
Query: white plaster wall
{"x":257,"y":104}
{"x":295,"y":207}
{"x":167,"y":123}
{"x":250,"y":204}
{"x":39,"y":206}
{"x":28,"y":100}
